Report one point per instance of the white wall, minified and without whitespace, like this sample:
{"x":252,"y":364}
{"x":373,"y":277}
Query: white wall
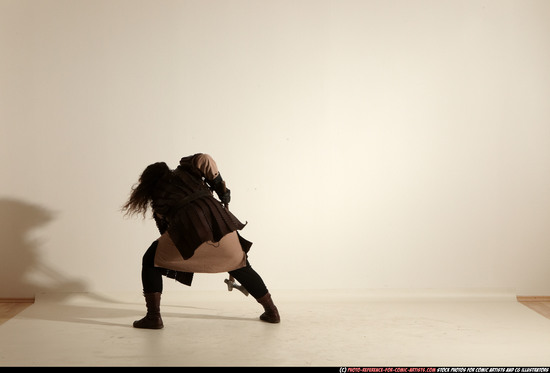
{"x":369,"y":144}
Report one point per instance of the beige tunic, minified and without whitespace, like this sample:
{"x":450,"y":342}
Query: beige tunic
{"x":224,"y":256}
{"x":210,"y":257}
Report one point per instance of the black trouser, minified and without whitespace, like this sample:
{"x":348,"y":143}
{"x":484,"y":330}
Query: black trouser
{"x":151,"y":276}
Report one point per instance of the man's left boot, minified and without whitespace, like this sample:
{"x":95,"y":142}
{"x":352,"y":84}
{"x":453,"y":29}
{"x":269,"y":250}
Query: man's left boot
{"x":271,"y":313}
{"x":152,"y":319}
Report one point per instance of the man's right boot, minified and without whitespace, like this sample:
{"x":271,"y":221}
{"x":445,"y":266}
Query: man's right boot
{"x":271,"y":313}
{"x":152,"y":319}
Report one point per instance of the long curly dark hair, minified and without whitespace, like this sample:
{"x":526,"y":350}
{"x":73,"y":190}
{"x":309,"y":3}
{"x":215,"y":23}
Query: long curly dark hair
{"x":142,"y":193}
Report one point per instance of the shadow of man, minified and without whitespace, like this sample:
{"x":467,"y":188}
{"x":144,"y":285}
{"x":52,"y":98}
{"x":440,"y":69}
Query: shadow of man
{"x":20,"y":260}
{"x":23,"y":273}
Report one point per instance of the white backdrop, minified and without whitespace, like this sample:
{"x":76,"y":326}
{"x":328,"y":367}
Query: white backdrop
{"x":369,"y":144}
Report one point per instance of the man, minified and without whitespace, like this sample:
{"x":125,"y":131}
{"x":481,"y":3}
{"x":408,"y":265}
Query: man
{"x":198,"y":233}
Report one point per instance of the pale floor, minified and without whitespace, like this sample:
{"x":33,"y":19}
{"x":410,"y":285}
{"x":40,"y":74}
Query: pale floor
{"x":318,"y":328}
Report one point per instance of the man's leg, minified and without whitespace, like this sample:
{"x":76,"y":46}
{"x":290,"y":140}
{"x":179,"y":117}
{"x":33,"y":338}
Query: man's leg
{"x":151,"y":278}
{"x":252,"y":282}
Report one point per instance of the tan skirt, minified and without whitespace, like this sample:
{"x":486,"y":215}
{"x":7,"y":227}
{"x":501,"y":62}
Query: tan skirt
{"x":224,"y":256}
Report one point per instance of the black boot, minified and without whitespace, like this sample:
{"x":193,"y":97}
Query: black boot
{"x":271,"y":313}
{"x":152,"y":320}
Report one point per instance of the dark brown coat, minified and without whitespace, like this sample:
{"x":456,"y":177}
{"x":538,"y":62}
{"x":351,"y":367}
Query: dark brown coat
{"x":191,"y":218}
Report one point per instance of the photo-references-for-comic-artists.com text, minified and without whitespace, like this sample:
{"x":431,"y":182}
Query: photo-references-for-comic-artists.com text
{"x":445,"y":370}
